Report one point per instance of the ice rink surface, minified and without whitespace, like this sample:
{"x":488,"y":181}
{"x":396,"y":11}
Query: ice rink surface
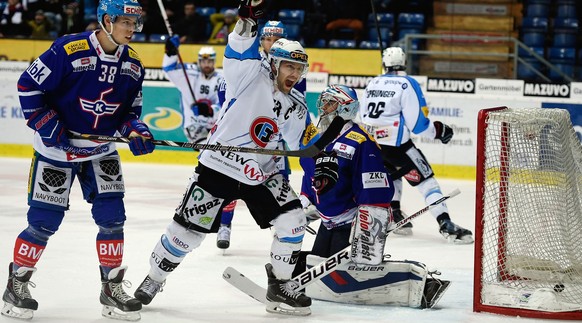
{"x":68,"y":284}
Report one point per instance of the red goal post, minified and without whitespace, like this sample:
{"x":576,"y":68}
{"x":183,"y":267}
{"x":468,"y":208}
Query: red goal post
{"x":528,"y":239}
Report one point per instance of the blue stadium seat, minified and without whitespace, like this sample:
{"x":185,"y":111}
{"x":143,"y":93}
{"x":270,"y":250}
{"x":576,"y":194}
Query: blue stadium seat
{"x":341,"y":43}
{"x":385,"y":34}
{"x":368,"y":44}
{"x":411,"y":21}
{"x":205,"y":11}
{"x":531,"y":24}
{"x":138,"y":37}
{"x":565,"y":32}
{"x":534,"y":39}
{"x":158,"y":38}
{"x":526,"y":73}
{"x":384,"y":20}
{"x":319,"y":43}
{"x":566,"y":10}
{"x":564,"y":59}
{"x":293,"y":20}
{"x":537,"y":10}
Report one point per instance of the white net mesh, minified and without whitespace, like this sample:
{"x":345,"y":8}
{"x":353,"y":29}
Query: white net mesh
{"x":532,"y":211}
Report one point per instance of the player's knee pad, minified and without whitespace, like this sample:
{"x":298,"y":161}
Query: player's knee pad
{"x":108,"y":212}
{"x":172,"y":248}
{"x":420,"y":168}
{"x":45,"y":220}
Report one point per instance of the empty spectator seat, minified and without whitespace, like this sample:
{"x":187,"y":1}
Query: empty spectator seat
{"x":293,"y":20}
{"x":565,"y":32}
{"x":158,"y":38}
{"x":341,"y":43}
{"x":370,"y":44}
{"x":564,"y":59}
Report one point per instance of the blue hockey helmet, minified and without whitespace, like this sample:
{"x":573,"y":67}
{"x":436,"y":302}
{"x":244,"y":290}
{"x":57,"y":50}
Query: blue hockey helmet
{"x":273,"y":28}
{"x":116,"y":8}
{"x":346,"y":99}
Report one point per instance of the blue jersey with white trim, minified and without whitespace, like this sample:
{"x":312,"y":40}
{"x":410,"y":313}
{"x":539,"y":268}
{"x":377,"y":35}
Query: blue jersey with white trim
{"x":363,"y":179}
{"x":392,"y":107}
{"x":92,"y":92}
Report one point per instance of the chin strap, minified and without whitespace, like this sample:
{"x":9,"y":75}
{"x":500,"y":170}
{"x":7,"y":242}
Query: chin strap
{"x":109,"y":35}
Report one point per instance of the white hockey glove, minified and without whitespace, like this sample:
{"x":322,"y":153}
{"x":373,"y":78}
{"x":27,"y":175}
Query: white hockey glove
{"x":368,"y":236}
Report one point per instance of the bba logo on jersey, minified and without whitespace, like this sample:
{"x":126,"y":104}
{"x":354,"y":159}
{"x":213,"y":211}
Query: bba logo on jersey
{"x":38,"y":71}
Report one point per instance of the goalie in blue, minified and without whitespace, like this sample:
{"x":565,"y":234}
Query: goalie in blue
{"x":351,"y":189}
{"x":87,"y":83}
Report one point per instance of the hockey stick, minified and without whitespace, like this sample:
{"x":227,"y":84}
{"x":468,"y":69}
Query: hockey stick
{"x":380,"y":44}
{"x":171,"y":33}
{"x":315,"y":273}
{"x":328,"y":136}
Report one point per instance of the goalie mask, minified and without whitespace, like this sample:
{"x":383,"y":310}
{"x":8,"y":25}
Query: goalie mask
{"x":393,"y":59}
{"x":336,"y":100}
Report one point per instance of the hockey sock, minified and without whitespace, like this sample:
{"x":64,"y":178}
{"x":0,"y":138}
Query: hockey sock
{"x":227,"y":213}
{"x":109,"y":248}
{"x":289,"y":231}
{"x":29,"y":246}
{"x":431,"y":191}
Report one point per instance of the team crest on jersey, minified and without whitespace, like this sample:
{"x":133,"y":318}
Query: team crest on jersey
{"x":99,"y":107}
{"x":76,"y":46}
{"x":359,"y":138}
{"x":263,"y":130}
{"x":131,"y":69}
{"x":84,"y":64}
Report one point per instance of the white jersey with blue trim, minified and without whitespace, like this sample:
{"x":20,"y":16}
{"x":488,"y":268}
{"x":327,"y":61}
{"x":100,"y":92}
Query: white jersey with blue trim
{"x":205,"y":88}
{"x":392,"y":107}
{"x":255,"y":114}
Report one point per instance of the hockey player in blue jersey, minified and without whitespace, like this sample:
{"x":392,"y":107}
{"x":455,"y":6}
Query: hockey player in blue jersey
{"x":88,"y":83}
{"x":258,"y":108}
{"x":352,"y":191}
{"x":392,"y":109}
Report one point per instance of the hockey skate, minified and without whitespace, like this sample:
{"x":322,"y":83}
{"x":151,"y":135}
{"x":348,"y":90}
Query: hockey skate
{"x":405,"y":230}
{"x":283,"y":298}
{"x":148,"y":290}
{"x":454,"y":233}
{"x":18,"y":303}
{"x":116,"y":303}
{"x":223,"y":237}
{"x":434,"y":289}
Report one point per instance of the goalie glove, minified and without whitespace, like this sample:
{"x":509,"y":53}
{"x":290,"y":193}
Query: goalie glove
{"x":326,"y":173}
{"x":253,"y":9}
{"x":444,"y":133}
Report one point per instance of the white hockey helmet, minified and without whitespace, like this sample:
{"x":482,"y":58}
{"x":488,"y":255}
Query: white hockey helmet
{"x":206,"y":52}
{"x":289,"y":50}
{"x":393,"y":59}
{"x":347,"y":102}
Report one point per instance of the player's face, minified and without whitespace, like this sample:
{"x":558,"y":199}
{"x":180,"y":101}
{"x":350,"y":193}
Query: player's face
{"x":268,"y":41}
{"x":123,"y":29}
{"x":206,"y":65}
{"x":329,"y":106}
{"x":288,"y":75}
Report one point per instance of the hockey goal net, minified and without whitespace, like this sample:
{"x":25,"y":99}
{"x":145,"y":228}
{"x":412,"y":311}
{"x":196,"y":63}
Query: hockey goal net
{"x":528,"y":247}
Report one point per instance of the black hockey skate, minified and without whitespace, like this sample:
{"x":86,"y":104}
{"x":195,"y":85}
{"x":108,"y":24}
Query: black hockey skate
{"x":434,"y":289}
{"x":117,"y":304}
{"x":454,"y":233}
{"x":405,"y":230}
{"x":18,"y":303}
{"x":283,"y":298}
{"x":148,"y":290}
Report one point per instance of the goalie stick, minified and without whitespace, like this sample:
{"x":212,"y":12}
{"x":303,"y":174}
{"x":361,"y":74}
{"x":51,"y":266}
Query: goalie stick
{"x":315,"y":273}
{"x":328,"y":136}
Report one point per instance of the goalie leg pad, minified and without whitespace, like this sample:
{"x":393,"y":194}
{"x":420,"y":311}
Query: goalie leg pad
{"x":368,"y":235}
{"x":172,"y":248}
{"x":395,"y":283}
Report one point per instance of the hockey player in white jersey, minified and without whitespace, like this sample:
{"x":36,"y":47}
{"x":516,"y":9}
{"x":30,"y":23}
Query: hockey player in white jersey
{"x":393,"y":107}
{"x":198,"y":85}
{"x":257,"y":110}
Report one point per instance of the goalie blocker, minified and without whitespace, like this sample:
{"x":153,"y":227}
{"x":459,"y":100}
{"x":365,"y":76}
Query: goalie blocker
{"x":396,"y":283}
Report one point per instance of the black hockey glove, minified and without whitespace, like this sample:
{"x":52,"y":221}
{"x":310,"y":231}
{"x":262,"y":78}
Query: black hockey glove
{"x":172,"y":44}
{"x":201,"y":108}
{"x":444,"y":133}
{"x":326,"y":173}
{"x":253,"y":9}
